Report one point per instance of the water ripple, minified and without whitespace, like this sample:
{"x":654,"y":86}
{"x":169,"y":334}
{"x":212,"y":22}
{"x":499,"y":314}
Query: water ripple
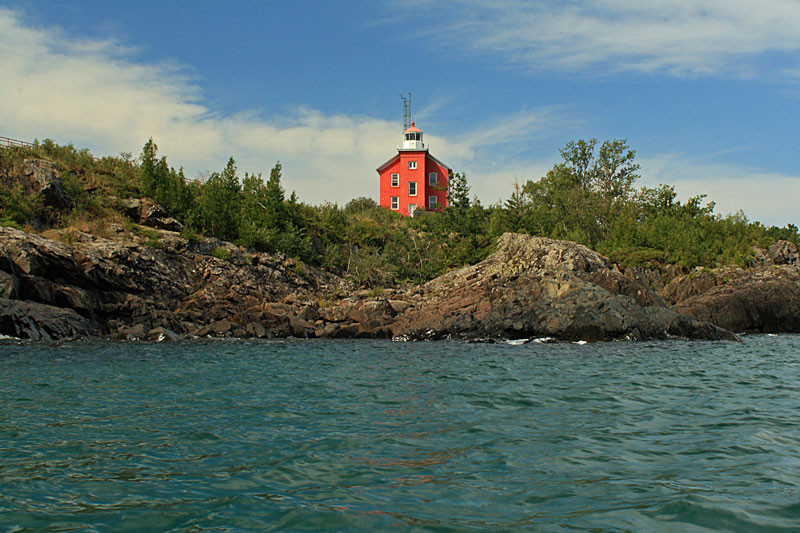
{"x":289,"y":435}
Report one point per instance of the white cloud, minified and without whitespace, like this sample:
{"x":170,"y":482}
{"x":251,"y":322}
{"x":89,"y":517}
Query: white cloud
{"x":679,"y":37}
{"x":92,"y":93}
{"x":769,"y":198}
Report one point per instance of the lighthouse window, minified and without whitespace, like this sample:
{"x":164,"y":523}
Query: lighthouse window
{"x":412,"y":165}
{"x":433,"y":179}
{"x":412,"y":188}
{"x":395,"y":202}
{"x":395,"y":179}
{"x":432,"y":202}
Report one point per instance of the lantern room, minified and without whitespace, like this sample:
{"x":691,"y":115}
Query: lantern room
{"x":412,"y":138}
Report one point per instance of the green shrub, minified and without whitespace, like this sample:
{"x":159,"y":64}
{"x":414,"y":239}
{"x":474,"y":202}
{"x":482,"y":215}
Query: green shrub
{"x":222,"y":253}
{"x":9,"y":223}
{"x":190,"y":235}
{"x":20,"y":207}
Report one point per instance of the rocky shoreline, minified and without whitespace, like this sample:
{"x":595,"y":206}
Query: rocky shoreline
{"x":77,"y":285}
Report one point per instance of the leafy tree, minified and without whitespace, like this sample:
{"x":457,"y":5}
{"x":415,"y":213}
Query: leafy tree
{"x":610,"y":173}
{"x":360,"y":205}
{"x":578,"y":157}
{"x":582,"y":197}
{"x":614,"y":171}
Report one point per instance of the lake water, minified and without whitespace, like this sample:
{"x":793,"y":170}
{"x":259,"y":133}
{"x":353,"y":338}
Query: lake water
{"x":364,"y":436}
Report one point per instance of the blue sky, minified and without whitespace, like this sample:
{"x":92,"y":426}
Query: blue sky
{"x":706,"y":91}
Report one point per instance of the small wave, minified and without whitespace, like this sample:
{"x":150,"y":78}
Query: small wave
{"x":580,"y":343}
{"x":201,"y":436}
{"x":537,"y":340}
{"x":715,"y":513}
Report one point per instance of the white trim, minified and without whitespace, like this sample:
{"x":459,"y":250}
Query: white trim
{"x":433,"y":179}
{"x":412,"y":165}
{"x":395,"y":177}
{"x":433,"y":202}
{"x":394,"y":202}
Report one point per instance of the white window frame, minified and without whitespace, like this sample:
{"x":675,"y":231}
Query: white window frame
{"x":410,"y":185}
{"x":412,"y":165}
{"x":395,"y":203}
{"x":433,"y":202}
{"x":433,"y":179}
{"x":411,"y":209}
{"x":395,"y":179}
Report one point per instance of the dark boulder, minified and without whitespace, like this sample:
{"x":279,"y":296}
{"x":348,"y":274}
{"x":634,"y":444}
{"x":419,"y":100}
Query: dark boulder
{"x":765,"y":300}
{"x":147,"y":212}
{"x":35,"y":321}
{"x":783,"y":253}
{"x":39,"y":177}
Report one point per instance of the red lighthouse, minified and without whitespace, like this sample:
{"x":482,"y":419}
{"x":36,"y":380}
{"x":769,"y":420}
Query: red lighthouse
{"x":413,"y":179}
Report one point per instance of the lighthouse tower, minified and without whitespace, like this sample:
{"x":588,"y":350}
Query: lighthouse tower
{"x":413,"y":180}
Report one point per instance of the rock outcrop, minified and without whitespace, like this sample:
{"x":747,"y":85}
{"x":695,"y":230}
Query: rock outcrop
{"x":97,"y":286}
{"x":530,"y":287}
{"x":145,"y":211}
{"x":31,"y":320}
{"x":783,"y":253}
{"x":762,"y":299}
{"x":537,"y":287}
{"x":37,"y":178}
{"x":759,"y":300}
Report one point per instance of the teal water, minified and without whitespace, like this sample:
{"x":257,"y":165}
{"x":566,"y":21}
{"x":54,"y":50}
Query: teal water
{"x":365,"y":436}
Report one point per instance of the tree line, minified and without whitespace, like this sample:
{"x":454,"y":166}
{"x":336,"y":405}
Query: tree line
{"x":589,"y":197}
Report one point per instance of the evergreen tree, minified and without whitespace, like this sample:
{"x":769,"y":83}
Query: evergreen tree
{"x":458,"y":191}
{"x":163,"y":184}
{"x":220,"y":203}
{"x":147,"y":169}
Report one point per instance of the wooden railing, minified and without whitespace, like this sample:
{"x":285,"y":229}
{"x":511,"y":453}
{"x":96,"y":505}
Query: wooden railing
{"x":5,"y":141}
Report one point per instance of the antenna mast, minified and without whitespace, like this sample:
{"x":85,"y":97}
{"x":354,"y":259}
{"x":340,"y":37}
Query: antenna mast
{"x":406,"y":111}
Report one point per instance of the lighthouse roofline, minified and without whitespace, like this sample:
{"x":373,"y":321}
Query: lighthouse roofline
{"x":427,"y":154}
